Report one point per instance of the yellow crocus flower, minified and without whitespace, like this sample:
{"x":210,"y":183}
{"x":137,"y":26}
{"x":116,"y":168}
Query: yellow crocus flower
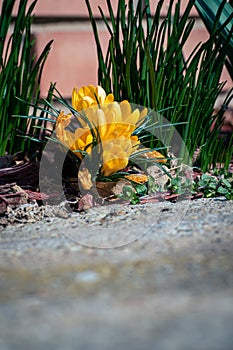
{"x":89,"y":96}
{"x":109,"y":120}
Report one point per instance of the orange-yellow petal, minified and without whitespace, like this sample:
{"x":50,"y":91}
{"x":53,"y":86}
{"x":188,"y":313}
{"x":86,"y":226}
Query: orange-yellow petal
{"x":88,"y":96}
{"x":155,"y":154}
{"x":83,"y":140}
{"x":125,"y":109}
{"x":138,"y":178}
{"x":109,"y":98}
{"x":143,"y":113}
{"x":133,"y":117}
{"x":85,"y":179}
{"x":113,"y":165}
{"x":63,"y":119}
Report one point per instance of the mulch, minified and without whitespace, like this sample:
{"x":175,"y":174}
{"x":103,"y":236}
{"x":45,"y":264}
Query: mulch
{"x":25,"y":175}
{"x":19,"y":184}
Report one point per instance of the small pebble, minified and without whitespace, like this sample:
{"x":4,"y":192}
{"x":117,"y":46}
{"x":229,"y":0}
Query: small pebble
{"x":87,"y":276}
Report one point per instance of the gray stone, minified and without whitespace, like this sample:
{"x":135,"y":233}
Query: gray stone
{"x":171,"y":288}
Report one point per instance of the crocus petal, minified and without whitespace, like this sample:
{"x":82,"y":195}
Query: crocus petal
{"x":88,"y":90}
{"x":100,"y":94}
{"x":125,"y":109}
{"x":143,"y":113}
{"x":113,"y":112}
{"x":155,"y":154}
{"x":133,"y":117}
{"x":101,"y":119}
{"x":74,"y":97}
{"x":89,"y":101}
{"x":63,"y":119}
{"x":113,"y":165}
{"x":85,"y":179}
{"x":109,"y":98}
{"x":63,"y":135}
{"x":102,"y":127}
{"x":138,"y":178}
{"x":83,"y":138}
{"x":68,"y":139}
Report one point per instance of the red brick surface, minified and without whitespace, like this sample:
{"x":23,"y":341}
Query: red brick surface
{"x":184,"y":3}
{"x":72,"y":60}
{"x":197,"y":35}
{"x":66,"y":7}
{"x":79,"y":8}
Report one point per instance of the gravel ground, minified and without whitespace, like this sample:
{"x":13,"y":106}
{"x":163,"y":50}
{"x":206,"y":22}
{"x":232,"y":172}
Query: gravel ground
{"x":153,"y":276}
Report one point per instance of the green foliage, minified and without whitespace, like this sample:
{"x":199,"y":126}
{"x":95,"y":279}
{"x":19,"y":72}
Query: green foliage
{"x":153,"y":187}
{"x":218,"y":183}
{"x":129,"y":194}
{"x":180,"y":185}
{"x":215,"y":186}
{"x":133,"y":192}
{"x":42,"y":120}
{"x":208,"y":10}
{"x":144,"y":64}
{"x":20,"y":75}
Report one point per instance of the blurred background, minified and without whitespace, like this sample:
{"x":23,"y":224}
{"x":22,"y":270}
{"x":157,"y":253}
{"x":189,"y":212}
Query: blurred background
{"x":73,"y":59}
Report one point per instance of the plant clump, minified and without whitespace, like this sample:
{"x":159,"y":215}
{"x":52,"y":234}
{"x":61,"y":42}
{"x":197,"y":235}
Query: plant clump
{"x":102,"y":136}
{"x":150,"y":122}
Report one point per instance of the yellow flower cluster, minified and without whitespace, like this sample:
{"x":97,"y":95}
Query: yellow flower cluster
{"x":110,"y":122}
{"x":114,"y":122}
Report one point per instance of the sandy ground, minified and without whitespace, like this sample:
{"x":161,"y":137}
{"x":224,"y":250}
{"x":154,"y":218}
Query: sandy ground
{"x":154,"y":276}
